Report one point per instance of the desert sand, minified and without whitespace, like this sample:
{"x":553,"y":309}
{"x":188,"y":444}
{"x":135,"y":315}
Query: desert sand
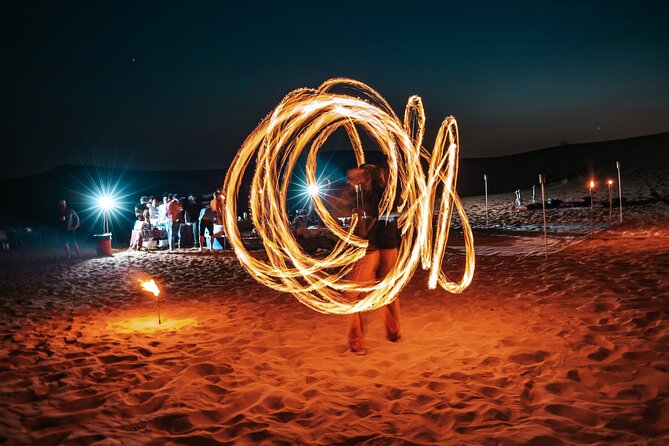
{"x":569,"y":349}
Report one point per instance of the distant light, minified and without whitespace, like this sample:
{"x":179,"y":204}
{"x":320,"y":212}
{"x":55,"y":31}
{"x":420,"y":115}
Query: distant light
{"x":106,"y":202}
{"x":592,"y":184}
{"x":610,"y":182}
{"x":313,"y":189}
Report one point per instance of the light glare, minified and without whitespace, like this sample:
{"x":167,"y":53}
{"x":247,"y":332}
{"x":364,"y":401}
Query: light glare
{"x":106,"y":202}
{"x":313,"y":189}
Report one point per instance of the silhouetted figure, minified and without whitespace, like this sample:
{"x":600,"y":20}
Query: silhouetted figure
{"x":68,"y":222}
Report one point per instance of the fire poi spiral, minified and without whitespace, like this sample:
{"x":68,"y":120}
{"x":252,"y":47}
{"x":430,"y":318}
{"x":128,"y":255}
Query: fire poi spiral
{"x":309,"y":116}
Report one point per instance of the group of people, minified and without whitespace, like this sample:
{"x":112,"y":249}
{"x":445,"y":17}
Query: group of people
{"x":175,"y":214}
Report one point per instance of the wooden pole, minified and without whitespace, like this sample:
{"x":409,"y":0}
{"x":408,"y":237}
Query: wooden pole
{"x":542,"y":179}
{"x":620,"y":192}
{"x":610,"y":202}
{"x":592,"y":213}
{"x":485,"y":181}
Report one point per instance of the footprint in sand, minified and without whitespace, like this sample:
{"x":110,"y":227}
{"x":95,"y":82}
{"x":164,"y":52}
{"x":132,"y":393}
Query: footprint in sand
{"x":582,"y":416}
{"x":529,"y":357}
{"x":173,"y":423}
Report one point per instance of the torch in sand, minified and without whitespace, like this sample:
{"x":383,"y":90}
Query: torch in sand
{"x":610,"y":183}
{"x":542,"y":180}
{"x":485,"y":182}
{"x":620,"y":192}
{"x":152,"y":287}
{"x":592,"y":209}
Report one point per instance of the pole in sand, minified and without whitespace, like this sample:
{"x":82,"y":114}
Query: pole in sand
{"x":542,"y":180}
{"x":592,"y":209}
{"x":357,"y":197}
{"x":620,"y":192}
{"x":485,"y":181}
{"x":610,"y":183}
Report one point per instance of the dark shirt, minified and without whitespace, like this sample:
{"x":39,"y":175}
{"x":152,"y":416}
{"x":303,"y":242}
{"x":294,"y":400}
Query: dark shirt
{"x":386,"y":233}
{"x":191,"y":212}
{"x":68,"y":220}
{"x":139,"y":209}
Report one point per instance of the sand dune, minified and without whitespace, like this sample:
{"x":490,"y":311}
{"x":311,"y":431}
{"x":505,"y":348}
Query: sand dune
{"x":572,"y":349}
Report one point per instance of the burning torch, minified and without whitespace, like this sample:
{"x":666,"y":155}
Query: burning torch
{"x":152,"y":287}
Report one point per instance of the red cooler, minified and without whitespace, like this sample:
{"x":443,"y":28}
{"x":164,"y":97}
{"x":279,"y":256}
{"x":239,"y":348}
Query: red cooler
{"x":103,"y":244}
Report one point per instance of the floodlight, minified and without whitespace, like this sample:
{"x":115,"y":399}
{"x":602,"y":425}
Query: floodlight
{"x":106,"y":202}
{"x":313,"y":189}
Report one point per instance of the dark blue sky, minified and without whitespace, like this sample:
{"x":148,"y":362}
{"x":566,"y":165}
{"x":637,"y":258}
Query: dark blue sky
{"x":172,"y":85}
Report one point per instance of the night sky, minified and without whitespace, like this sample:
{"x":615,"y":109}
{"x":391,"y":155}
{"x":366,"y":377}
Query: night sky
{"x":168,"y":85}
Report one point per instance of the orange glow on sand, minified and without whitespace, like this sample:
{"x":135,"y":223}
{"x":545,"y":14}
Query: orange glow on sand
{"x":304,"y":120}
{"x":148,"y":324}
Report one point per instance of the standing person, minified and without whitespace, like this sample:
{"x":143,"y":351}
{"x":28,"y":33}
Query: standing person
{"x":154,"y":211}
{"x":173,"y":212}
{"x":366,"y":185}
{"x":68,"y":222}
{"x":162,"y":208}
{"x":388,"y":242}
{"x":192,"y":217}
{"x":206,"y":222}
{"x":216,"y":205}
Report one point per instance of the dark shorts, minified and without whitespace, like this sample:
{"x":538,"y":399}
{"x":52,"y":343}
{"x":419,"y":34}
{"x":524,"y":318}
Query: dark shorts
{"x":67,"y":236}
{"x":206,"y":224}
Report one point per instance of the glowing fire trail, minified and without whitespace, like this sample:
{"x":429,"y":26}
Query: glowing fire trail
{"x":308,"y":117}
{"x":152,"y":287}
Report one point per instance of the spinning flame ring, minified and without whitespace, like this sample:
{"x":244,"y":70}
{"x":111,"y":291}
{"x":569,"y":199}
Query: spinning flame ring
{"x":310,"y":116}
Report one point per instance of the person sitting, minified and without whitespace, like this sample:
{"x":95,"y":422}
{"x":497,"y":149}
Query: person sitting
{"x":137,"y":236}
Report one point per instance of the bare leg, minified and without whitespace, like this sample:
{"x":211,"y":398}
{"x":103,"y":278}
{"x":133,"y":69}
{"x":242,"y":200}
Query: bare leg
{"x":363,"y":272}
{"x":76,"y":248}
{"x":391,"y":312}
{"x":67,"y":250}
{"x":356,"y":332}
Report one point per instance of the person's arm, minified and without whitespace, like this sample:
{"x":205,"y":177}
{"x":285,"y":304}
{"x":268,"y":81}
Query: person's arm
{"x":343,"y":205}
{"x":75,"y":220}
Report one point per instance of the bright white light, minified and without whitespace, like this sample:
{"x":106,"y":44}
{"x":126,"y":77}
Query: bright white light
{"x":312,"y":189}
{"x":106,"y":202}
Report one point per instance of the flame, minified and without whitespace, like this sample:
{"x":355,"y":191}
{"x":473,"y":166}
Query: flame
{"x":307,"y":117}
{"x":150,"y":286}
{"x":592,"y":184}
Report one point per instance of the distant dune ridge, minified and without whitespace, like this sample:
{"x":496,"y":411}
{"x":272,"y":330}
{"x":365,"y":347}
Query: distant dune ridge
{"x":32,"y":198}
